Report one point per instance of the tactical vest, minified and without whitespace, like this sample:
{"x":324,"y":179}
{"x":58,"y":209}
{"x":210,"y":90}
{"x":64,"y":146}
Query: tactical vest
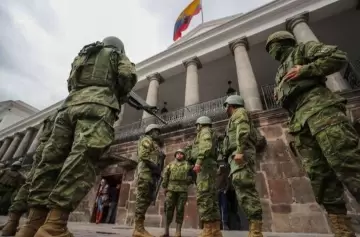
{"x":195,"y":147}
{"x":179,"y":171}
{"x":287,"y":92}
{"x":92,"y":67}
{"x":230,"y":140}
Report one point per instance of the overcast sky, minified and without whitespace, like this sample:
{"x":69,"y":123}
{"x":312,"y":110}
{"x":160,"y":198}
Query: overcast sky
{"x":40,"y":38}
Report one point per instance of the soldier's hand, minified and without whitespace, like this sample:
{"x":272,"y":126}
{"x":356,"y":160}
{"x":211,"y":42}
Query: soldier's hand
{"x":197,"y":168}
{"x":239,"y":159}
{"x":293,"y":73}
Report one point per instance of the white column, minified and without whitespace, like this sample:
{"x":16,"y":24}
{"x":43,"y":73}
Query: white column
{"x":21,"y":150}
{"x":121,"y":116}
{"x":248,"y":86}
{"x":302,"y":32}
{"x":13,"y":146}
{"x":192,"y":93}
{"x":5,"y":145}
{"x":36,"y":141}
{"x":153,"y":91}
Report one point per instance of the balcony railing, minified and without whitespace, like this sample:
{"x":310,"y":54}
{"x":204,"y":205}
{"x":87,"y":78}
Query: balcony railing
{"x":186,"y":116}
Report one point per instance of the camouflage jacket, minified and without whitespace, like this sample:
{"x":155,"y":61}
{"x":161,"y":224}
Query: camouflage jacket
{"x":148,"y":152}
{"x":101,"y":75}
{"x":241,"y":137}
{"x":203,"y":149}
{"x":177,"y":176}
{"x":307,"y":95}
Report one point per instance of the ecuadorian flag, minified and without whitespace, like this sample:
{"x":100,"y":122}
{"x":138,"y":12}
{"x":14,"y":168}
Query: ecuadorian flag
{"x":184,"y":19}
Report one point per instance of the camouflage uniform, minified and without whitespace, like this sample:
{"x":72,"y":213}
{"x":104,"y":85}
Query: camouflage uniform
{"x":176,"y":180}
{"x":149,"y":155}
{"x":101,"y":76}
{"x":241,"y":138}
{"x":203,"y":153}
{"x":324,"y":137}
{"x":19,"y":205}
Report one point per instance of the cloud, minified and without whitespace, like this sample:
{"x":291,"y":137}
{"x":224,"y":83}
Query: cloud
{"x":40,"y":38}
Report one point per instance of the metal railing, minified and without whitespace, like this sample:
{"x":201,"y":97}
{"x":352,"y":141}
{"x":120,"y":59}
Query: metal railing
{"x":178,"y":118}
{"x":185,"y":117}
{"x":267,"y":97}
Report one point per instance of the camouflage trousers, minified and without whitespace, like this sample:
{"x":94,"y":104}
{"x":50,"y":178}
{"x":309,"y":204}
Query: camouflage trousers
{"x":143,"y":198}
{"x":206,"y":194}
{"x":243,"y":181}
{"x":175,"y":201}
{"x":20,"y":203}
{"x":68,"y":167}
{"x":331,"y":158}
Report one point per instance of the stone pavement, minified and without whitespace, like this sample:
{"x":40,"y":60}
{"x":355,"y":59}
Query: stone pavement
{"x":81,"y":229}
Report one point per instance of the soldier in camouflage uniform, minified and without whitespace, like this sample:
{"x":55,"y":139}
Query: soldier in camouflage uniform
{"x":101,"y":77}
{"x":148,"y":171}
{"x":324,"y":136}
{"x":10,"y":182}
{"x":19,"y":205}
{"x":240,"y":148}
{"x":176,"y":180}
{"x":204,"y":155}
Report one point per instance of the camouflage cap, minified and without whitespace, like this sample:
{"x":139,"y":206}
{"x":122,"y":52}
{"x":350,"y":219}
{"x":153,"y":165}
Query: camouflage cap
{"x":277,"y":36}
{"x":180,"y":151}
{"x":115,"y":42}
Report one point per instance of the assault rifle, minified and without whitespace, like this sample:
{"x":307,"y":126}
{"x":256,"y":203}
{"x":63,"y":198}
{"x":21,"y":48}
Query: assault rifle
{"x":159,"y":180}
{"x":135,"y":101}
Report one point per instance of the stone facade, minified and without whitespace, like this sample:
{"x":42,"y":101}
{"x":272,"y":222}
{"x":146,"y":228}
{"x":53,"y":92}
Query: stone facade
{"x":286,"y":195}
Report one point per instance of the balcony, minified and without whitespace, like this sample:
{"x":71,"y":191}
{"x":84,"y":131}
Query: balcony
{"x":214,"y":109}
{"x":186,"y":116}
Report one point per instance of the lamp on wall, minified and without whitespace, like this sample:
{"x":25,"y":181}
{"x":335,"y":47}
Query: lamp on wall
{"x":164,"y":109}
{"x":230,"y":90}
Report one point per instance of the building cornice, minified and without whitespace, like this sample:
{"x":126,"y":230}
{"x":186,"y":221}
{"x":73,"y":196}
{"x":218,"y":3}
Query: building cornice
{"x":31,"y":121}
{"x":254,"y":22}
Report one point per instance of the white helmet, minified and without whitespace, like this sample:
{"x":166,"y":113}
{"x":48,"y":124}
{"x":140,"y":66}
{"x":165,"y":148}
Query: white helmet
{"x":234,"y":100}
{"x":203,"y":120}
{"x":151,"y":127}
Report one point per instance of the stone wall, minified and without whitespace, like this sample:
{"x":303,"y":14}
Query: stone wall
{"x":286,"y":195}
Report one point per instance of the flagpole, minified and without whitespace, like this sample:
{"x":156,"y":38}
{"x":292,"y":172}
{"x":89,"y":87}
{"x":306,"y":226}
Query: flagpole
{"x":202,"y":14}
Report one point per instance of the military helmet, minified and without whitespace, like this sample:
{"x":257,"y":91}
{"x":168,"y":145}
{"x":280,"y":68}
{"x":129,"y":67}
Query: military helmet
{"x":115,"y":42}
{"x":234,"y":100}
{"x":179,"y":151}
{"x":151,"y":127}
{"x":277,"y":36}
{"x":203,"y":120}
{"x":16,"y":164}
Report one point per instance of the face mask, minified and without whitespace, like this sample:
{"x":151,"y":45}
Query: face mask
{"x":279,"y":52}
